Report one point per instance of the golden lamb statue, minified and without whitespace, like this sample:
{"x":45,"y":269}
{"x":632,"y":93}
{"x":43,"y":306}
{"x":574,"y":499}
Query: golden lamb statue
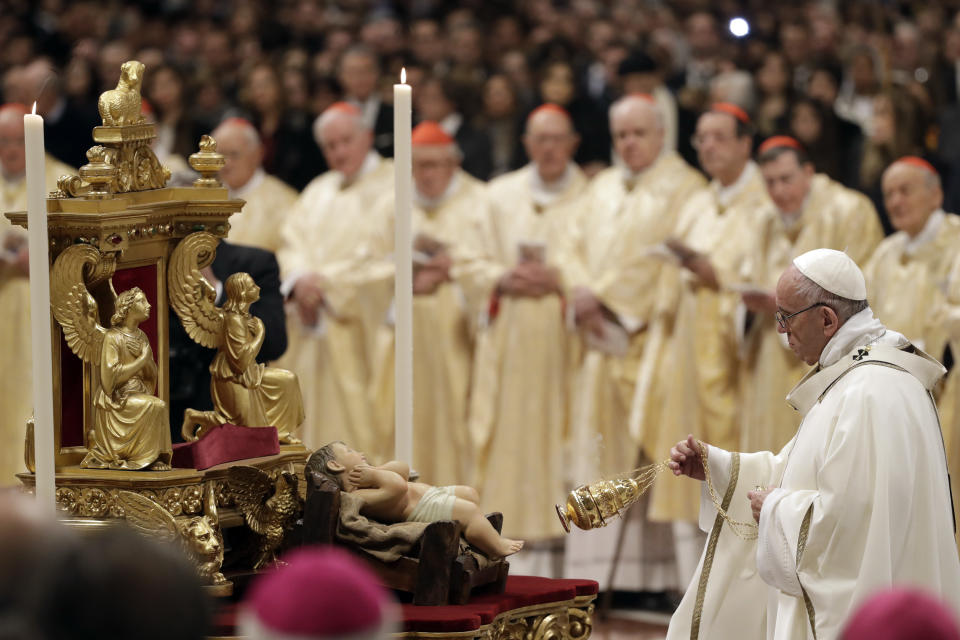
{"x":121,"y":106}
{"x":244,"y":391}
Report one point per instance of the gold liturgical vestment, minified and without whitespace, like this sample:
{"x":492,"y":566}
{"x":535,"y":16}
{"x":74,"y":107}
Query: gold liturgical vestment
{"x":950,"y":398}
{"x":832,"y":217}
{"x":613,"y":234}
{"x":908,"y":282}
{"x":269,"y":201}
{"x":518,"y":410}
{"x":688,"y":379}
{"x":443,"y":326}
{"x":16,"y":393}
{"x":330,"y":232}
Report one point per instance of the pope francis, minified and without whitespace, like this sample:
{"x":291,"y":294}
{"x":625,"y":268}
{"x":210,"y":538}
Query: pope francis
{"x":856,"y":502}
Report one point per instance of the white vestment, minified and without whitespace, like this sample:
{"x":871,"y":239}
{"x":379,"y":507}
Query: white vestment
{"x":861,"y":501}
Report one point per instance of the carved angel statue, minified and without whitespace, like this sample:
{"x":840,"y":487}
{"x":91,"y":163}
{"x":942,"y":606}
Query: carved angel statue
{"x":270,"y":504}
{"x":131,"y":428}
{"x":197,"y":535}
{"x":244,"y":391}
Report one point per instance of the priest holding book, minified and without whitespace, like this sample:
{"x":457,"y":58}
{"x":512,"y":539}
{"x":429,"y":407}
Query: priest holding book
{"x":449,"y":212}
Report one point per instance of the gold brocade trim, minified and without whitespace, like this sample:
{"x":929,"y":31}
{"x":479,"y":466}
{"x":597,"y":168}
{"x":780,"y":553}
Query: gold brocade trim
{"x":712,"y":547}
{"x":801,"y":544}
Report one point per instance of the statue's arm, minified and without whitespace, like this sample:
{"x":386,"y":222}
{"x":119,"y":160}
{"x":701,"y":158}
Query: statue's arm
{"x":239,"y":347}
{"x":113,"y":372}
{"x":402,"y":469}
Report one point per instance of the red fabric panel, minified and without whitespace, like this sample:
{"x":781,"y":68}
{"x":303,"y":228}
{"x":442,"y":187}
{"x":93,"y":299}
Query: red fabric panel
{"x":226,"y":443}
{"x":71,"y":397}
{"x":144,"y":277}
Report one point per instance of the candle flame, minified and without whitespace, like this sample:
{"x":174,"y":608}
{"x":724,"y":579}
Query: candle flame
{"x":403,"y":77}
{"x":34,"y":112}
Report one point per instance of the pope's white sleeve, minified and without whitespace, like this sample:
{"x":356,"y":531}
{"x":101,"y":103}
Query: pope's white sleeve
{"x":719,"y":462}
{"x":777,"y":548}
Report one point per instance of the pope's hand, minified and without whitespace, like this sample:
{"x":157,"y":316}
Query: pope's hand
{"x":756,"y":498}
{"x":685,"y":459}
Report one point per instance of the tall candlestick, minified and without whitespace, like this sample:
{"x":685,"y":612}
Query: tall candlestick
{"x":40,"y":310}
{"x":403,"y":282}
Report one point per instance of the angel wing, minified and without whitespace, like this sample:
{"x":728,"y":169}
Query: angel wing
{"x":73,"y":306}
{"x":147,"y":517}
{"x":191,"y":296}
{"x":250,"y":488}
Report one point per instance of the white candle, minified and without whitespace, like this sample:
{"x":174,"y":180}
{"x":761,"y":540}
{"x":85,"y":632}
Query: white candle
{"x":40,"y":310}
{"x":403,"y":283}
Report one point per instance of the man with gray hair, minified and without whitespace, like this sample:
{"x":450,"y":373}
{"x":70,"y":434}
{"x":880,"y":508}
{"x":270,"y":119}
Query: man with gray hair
{"x":326,"y":266}
{"x":909,"y":277}
{"x":269,"y":199}
{"x":857,"y":501}
{"x":612,"y":274}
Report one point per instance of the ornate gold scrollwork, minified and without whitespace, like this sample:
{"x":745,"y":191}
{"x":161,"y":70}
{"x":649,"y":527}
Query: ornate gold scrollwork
{"x":581,"y":622}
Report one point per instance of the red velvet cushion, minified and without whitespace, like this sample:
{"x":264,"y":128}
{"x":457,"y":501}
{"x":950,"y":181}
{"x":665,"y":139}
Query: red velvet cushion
{"x":226,"y":443}
{"x":521,"y":591}
{"x":443,"y":619}
{"x":583,"y":587}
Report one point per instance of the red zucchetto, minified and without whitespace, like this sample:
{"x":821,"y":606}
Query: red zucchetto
{"x":429,"y":133}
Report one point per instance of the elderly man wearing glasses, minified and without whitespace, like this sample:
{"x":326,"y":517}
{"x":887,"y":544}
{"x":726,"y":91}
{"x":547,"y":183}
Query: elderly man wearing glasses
{"x":807,"y":211}
{"x":857,"y":501}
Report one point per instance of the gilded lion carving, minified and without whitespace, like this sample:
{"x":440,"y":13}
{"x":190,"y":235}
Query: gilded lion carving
{"x":121,"y":106}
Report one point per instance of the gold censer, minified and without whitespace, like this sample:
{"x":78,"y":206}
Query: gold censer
{"x":591,"y":506}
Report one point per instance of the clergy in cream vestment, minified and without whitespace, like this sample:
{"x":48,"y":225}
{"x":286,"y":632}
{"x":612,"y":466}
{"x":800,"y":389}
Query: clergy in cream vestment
{"x":338,"y":295}
{"x":518,"y":410}
{"x":613,"y":272}
{"x":688,"y":379}
{"x":16,"y":392}
{"x":909,"y":276}
{"x":449,"y":215}
{"x":808,"y":211}
{"x":856,"y":502}
{"x":268,"y":200}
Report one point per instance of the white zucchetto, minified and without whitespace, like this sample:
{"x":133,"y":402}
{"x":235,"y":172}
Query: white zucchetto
{"x":835,"y":271}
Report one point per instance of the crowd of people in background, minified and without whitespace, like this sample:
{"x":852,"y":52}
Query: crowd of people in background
{"x":550,"y":324}
{"x":859,"y":83}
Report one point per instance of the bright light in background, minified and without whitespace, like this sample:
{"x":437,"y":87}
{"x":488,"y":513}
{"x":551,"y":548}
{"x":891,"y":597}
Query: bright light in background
{"x":739,"y":27}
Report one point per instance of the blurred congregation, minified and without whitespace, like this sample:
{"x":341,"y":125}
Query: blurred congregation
{"x":605,"y":193}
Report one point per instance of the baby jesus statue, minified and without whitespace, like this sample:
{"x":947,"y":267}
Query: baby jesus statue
{"x":388,"y":497}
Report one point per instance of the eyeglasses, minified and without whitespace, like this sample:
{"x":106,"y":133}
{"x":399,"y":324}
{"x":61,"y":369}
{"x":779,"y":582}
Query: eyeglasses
{"x":782,"y":317}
